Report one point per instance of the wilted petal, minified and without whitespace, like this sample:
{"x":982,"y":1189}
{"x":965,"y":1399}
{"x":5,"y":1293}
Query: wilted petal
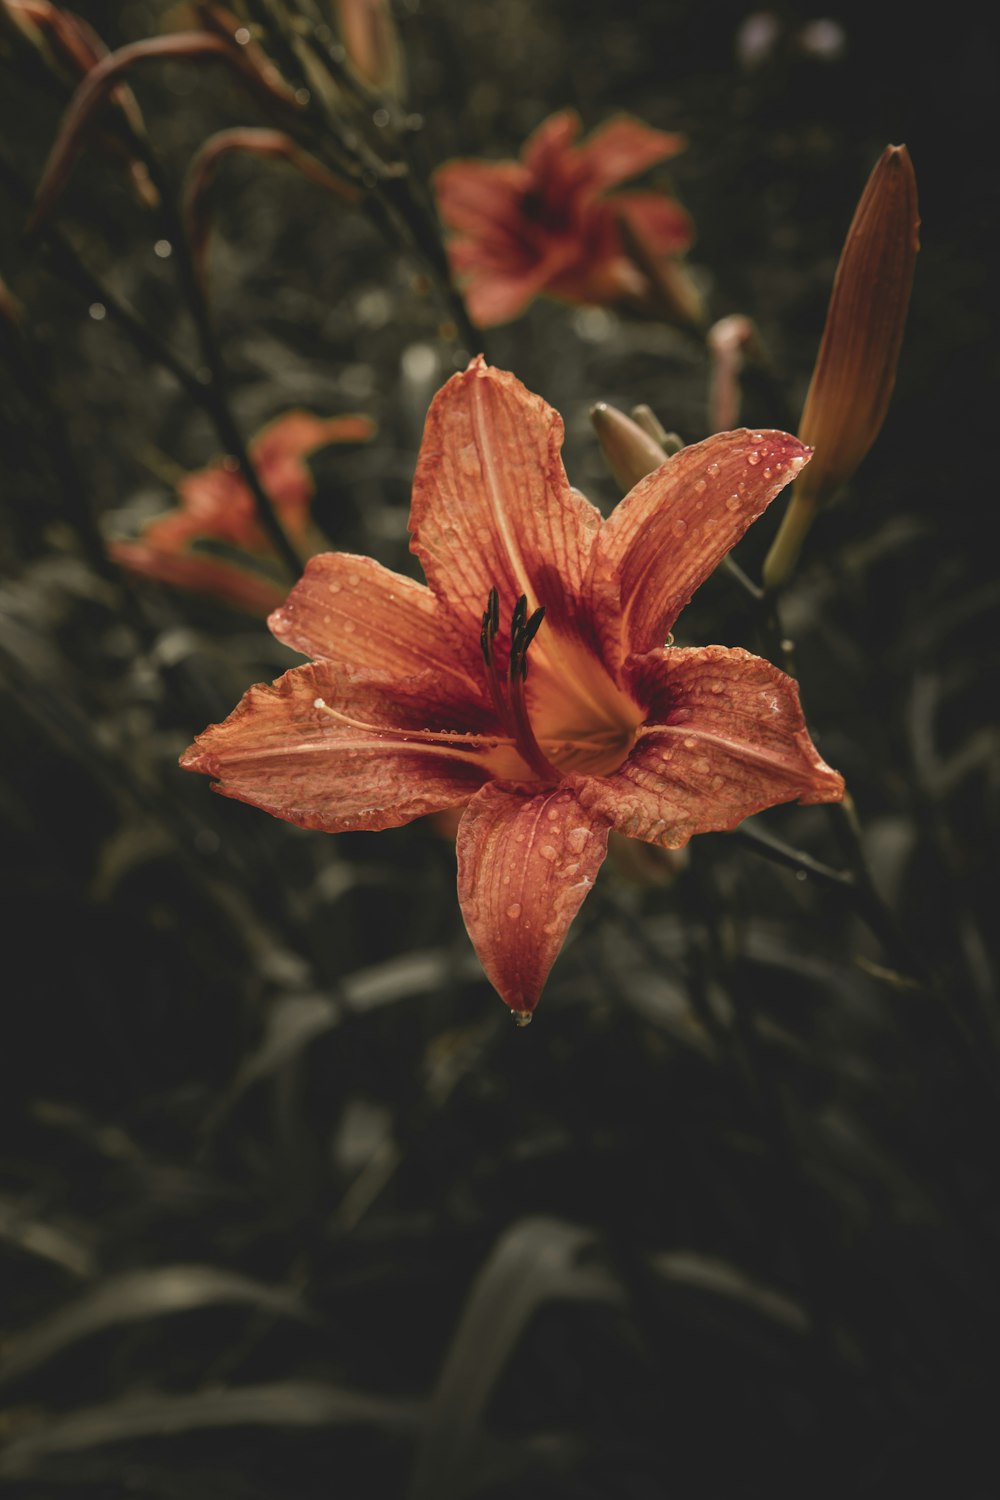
{"x":525,"y":864}
{"x":323,"y":751}
{"x":672,"y":530}
{"x":623,"y":148}
{"x":353,"y":611}
{"x":725,"y":738}
{"x":492,"y":506}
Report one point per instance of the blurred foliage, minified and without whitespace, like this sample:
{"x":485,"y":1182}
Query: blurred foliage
{"x":287,"y":1208}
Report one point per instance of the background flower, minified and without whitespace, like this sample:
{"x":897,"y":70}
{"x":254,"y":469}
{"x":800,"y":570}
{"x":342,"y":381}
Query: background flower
{"x":546,"y":223}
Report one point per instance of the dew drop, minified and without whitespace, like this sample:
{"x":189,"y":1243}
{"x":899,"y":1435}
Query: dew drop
{"x":334,"y":588}
{"x":702,"y":767}
{"x":753,"y":458}
{"x":550,"y":929}
{"x":553,"y":814}
{"x":514,"y":910}
{"x":717,"y":782}
{"x":319,"y":703}
{"x":716,"y":687}
{"x":733,"y":503}
{"x":766,"y":473}
{"x":577,"y":838}
{"x":348,"y":627}
{"x":353,"y":580}
{"x":547,"y":851}
{"x":679,"y":527}
{"x":700,"y":486}
{"x":521,"y":1017}
{"x":712,"y":470}
{"x":689,"y":743}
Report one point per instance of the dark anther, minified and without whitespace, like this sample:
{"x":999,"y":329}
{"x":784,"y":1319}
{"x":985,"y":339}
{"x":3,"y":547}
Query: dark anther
{"x":491,"y":624}
{"x":517,"y":621}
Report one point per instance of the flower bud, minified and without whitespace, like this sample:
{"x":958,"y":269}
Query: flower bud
{"x":856,"y":366}
{"x":370,"y":40}
{"x":629,"y":451}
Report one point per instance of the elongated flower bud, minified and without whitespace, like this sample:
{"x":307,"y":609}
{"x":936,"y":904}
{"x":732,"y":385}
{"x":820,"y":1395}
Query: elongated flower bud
{"x":856,"y":366}
{"x":368,"y":33}
{"x":629,"y":451}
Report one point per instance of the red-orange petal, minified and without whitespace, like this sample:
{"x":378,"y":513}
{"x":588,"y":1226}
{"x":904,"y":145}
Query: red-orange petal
{"x":525,"y":865}
{"x":664,"y":226}
{"x":548,"y":148}
{"x":492,"y":506}
{"x":725,"y":738}
{"x":354,"y":612}
{"x":679,"y":522}
{"x":325,"y":751}
{"x":623,"y":148}
{"x":482,"y":199}
{"x":236,"y":586}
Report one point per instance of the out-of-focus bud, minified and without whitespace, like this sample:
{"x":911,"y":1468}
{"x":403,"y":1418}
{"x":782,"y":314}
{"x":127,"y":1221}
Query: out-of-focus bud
{"x":856,"y":366}
{"x":670,"y":442}
{"x":629,"y":451}
{"x":371,"y":42}
{"x":730,"y":341}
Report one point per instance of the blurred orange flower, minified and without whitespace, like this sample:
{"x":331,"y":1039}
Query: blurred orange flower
{"x":545,"y":224}
{"x":213,"y":542}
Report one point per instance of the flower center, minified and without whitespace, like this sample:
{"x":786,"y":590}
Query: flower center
{"x":576,"y":719}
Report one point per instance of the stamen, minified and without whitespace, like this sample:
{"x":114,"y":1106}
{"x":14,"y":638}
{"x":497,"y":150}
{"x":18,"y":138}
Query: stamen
{"x":512,"y":710}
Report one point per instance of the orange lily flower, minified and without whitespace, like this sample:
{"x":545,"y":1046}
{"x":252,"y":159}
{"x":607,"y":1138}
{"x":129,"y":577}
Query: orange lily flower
{"x":546,"y":224}
{"x":528,"y":678}
{"x":217,"y":511}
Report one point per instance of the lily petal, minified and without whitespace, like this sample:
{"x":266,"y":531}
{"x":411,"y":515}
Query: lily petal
{"x":677,"y":525}
{"x":480,"y":198}
{"x":546,"y":149}
{"x":492,"y":507}
{"x":494,"y":297}
{"x":525,"y":865}
{"x":623,"y":148}
{"x":325,"y":751}
{"x":366,"y":618}
{"x":239,"y":587}
{"x":725,"y":738}
{"x":661,"y":221}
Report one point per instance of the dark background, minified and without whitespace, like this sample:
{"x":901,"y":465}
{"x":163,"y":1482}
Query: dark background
{"x":287,"y":1207}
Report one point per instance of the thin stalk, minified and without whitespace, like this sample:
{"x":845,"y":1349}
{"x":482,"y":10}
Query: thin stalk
{"x":214,"y":397}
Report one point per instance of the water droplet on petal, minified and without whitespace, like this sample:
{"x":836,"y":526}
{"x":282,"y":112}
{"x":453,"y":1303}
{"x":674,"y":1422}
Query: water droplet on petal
{"x":700,"y":486}
{"x":353,"y":580}
{"x":679,"y":527}
{"x":319,"y":703}
{"x":712,"y":470}
{"x":514,"y":910}
{"x":547,"y":851}
{"x":577,"y":839}
{"x":334,"y":588}
{"x":689,"y":743}
{"x":753,"y":458}
{"x":733,"y":503}
{"x":521,"y":1017}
